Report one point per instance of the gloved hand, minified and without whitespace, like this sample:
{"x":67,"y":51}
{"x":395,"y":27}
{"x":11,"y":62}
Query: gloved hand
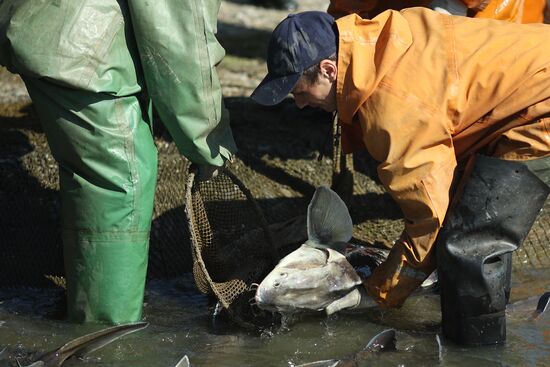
{"x":356,"y":300}
{"x":207,"y":172}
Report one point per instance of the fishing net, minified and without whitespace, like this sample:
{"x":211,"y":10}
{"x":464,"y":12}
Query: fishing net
{"x":534,"y":253}
{"x":232,"y":246}
{"x":31,"y":237}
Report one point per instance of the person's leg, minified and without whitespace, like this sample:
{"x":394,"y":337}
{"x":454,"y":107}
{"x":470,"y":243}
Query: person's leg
{"x":496,"y":207}
{"x":541,"y":168}
{"x":107,"y":168}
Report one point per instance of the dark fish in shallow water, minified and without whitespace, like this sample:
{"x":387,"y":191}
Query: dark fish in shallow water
{"x":543,"y":305}
{"x":529,"y":309}
{"x":384,"y":341}
{"x":184,"y":362}
{"x":86,"y":344}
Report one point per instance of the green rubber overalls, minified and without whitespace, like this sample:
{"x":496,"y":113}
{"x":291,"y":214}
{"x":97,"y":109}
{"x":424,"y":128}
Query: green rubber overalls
{"x":92,"y":69}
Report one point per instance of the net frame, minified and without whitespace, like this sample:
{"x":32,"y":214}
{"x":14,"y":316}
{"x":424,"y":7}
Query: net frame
{"x":209,"y":257}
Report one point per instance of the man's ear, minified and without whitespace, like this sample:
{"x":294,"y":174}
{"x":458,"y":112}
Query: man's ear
{"x":328,"y":69}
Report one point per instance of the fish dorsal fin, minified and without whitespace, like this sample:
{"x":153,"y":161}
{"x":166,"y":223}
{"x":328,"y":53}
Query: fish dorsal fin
{"x":544,"y":302}
{"x":184,"y":362}
{"x":328,"y":219}
{"x":382,"y":341}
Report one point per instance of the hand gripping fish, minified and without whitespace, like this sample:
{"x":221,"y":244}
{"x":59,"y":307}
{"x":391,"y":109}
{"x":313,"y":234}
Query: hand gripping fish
{"x":317,"y":276}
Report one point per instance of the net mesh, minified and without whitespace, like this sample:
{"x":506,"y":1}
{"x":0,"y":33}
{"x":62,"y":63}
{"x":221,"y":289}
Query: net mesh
{"x":535,"y":251}
{"x":232,"y":246}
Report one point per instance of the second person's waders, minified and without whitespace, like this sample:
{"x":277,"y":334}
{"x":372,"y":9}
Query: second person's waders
{"x":86,"y":64}
{"x":497,"y":205}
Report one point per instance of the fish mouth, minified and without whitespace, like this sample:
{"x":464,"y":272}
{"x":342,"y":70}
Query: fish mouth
{"x":266,"y":307}
{"x":269,"y":305}
{"x":261,"y":303}
{"x":281,"y":309}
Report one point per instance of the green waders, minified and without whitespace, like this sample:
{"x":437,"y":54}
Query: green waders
{"x":87,"y":65}
{"x":107,"y":174}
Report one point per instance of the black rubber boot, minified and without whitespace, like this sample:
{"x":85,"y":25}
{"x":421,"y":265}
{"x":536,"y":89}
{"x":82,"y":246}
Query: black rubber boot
{"x":497,"y":207}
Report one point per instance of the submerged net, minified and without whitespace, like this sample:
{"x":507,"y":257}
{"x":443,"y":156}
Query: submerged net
{"x":232,"y":246}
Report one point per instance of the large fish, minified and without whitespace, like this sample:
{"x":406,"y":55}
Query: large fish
{"x":85,"y":344}
{"x":317,"y":276}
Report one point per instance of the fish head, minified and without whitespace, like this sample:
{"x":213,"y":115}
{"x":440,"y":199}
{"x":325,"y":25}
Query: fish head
{"x":307,"y":279}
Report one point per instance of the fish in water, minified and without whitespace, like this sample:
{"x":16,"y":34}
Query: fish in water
{"x":85,"y":344}
{"x":526,"y":309}
{"x":184,"y":362}
{"x":317,"y":276}
{"x":542,"y":305}
{"x":384,"y":341}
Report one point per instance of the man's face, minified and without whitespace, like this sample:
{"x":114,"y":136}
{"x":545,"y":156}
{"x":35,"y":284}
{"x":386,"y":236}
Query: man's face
{"x":320,"y":93}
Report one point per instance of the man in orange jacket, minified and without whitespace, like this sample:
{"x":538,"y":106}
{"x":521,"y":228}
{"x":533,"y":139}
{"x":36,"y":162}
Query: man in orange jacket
{"x":422,"y":92}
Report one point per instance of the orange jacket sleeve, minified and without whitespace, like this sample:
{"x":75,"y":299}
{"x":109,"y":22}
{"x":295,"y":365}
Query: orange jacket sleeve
{"x":414,"y":146}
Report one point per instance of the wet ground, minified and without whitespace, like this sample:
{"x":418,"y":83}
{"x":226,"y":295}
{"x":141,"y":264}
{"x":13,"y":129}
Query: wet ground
{"x":181,"y":324}
{"x":279,"y":162}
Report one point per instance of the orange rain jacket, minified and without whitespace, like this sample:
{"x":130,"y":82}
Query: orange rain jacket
{"x":423,"y":91}
{"x":518,"y":11}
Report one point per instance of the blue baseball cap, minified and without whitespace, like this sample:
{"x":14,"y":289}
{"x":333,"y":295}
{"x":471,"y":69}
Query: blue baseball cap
{"x":297,"y":43}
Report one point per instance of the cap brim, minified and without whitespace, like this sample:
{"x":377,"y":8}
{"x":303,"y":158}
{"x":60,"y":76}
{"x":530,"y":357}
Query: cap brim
{"x":273,"y":90}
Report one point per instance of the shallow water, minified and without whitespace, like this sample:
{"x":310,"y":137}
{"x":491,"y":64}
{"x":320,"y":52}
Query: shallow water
{"x":181,"y":324}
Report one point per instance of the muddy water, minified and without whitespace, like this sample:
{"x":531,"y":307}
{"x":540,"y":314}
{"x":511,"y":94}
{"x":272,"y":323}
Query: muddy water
{"x":181,"y":324}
